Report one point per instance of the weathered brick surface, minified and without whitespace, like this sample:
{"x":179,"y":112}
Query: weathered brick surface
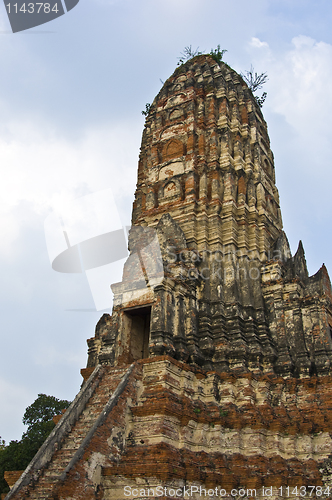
{"x":176,"y":424}
{"x":12,"y":476}
{"x":246,"y":431}
{"x":166,"y":462}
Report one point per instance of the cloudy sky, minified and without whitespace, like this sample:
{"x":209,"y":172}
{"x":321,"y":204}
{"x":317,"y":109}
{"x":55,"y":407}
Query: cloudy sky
{"x":71,"y":96}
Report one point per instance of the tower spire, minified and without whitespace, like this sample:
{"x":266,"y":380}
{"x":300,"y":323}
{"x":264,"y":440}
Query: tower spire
{"x":210,"y":280}
{"x":206,"y":160}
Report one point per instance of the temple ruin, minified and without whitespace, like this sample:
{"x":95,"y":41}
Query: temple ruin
{"x":213,"y":372}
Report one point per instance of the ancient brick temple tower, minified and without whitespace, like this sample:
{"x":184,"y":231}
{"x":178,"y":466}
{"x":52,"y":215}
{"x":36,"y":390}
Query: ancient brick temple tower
{"x":232,"y":299}
{"x":213,"y":373}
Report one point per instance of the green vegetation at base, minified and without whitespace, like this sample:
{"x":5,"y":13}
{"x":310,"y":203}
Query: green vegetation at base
{"x":38,"y":417}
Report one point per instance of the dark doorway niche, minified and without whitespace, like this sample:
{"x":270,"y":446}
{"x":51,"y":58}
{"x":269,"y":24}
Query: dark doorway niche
{"x":139,"y":326}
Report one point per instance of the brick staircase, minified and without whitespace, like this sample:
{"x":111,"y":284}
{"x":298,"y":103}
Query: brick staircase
{"x":44,"y":484}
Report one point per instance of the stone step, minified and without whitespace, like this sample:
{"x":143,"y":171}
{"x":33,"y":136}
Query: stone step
{"x":53,"y":475}
{"x":41,"y":492}
{"x":72,"y":445}
{"x":81,"y":428}
{"x":58,"y":465}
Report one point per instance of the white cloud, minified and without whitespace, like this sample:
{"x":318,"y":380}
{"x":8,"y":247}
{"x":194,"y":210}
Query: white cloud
{"x":258,"y":44}
{"x":298,"y":110}
{"x":301,"y":84}
{"x":299,"y":90}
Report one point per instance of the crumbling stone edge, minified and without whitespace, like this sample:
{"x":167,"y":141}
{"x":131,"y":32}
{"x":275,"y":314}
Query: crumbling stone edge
{"x":53,"y":441}
{"x":100,"y":420}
